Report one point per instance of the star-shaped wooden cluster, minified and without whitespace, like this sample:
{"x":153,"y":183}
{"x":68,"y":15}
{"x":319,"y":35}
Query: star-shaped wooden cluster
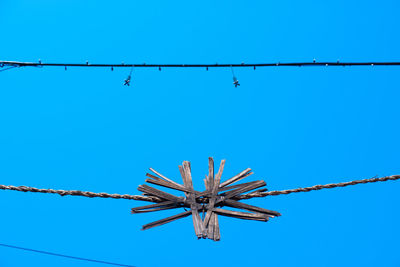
{"x":209,"y":202}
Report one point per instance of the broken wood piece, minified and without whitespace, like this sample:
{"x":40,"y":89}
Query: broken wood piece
{"x":165,"y":178}
{"x":157,"y":205}
{"x":213,"y":228}
{"x":244,"y":189}
{"x":240,"y":205}
{"x":172,"y":206}
{"x":236,"y":178}
{"x":242,"y":215}
{"x":210,"y":227}
{"x":210,"y":173}
{"x":158,"y":193}
{"x":217,"y":235}
{"x":183,"y":178}
{"x":166,"y":220}
{"x":157,"y":181}
{"x":214,"y":193}
{"x":227,"y":188}
{"x":206,"y":182}
{"x":197,"y":222}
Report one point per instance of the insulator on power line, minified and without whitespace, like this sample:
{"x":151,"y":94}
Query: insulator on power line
{"x":207,"y":68}
{"x":65,"y":67}
{"x":87,"y":62}
{"x":314,"y":60}
{"x":159,"y":68}
{"x":112,"y":68}
{"x":254,"y":67}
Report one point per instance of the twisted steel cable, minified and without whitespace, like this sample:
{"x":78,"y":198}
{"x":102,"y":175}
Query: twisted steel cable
{"x":156,"y":199}
{"x":319,"y":187}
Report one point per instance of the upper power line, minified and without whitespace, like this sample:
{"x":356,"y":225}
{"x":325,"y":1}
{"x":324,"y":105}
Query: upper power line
{"x":6,"y":65}
{"x":215,"y":65}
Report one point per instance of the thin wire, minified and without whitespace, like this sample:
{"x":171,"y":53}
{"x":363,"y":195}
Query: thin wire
{"x":216,"y":65}
{"x":78,"y":193}
{"x":127,"y":81}
{"x":11,"y":67}
{"x":235,"y":80}
{"x":319,"y":187}
{"x":65,"y":256}
{"x":156,"y":199}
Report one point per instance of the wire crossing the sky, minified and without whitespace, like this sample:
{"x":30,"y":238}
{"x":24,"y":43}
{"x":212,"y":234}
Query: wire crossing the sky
{"x":155,"y":199}
{"x":314,"y":63}
{"x":65,"y":256}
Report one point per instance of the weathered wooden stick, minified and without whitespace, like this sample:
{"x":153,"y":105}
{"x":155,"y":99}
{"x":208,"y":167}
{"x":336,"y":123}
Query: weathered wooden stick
{"x":210,"y":173}
{"x":206,"y":182}
{"x":181,"y":170}
{"x":227,"y":188}
{"x":169,"y":207}
{"x":165,"y":178}
{"x":211,"y":227}
{"x":240,"y":205}
{"x":188,"y":174}
{"x":217,"y":235}
{"x":208,"y":192}
{"x":160,"y":182}
{"x":242,"y":190}
{"x":197,"y":222}
{"x":213,"y":199}
{"x":158,"y":193}
{"x":236,"y":178}
{"x":161,"y":204}
{"x":209,"y":230}
{"x":242,"y":215}
{"x":166,"y":220}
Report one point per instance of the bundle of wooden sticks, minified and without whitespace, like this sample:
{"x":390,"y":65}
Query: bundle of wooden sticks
{"x":208,"y":202}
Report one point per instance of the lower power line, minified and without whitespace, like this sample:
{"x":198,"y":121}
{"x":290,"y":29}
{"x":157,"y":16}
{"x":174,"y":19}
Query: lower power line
{"x":65,"y":256}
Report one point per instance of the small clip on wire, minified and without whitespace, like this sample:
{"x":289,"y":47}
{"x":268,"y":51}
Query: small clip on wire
{"x":235,"y":80}
{"x":128,"y":79}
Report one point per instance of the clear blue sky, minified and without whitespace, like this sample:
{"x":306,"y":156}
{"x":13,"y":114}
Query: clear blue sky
{"x":82,"y":129}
